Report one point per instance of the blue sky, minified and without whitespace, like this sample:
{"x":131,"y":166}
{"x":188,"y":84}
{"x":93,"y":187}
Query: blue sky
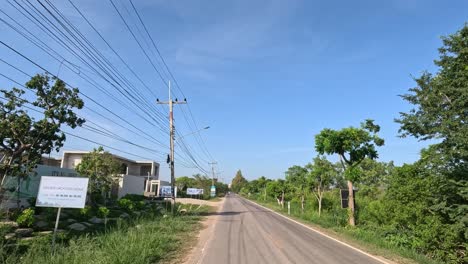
{"x":266,"y":76}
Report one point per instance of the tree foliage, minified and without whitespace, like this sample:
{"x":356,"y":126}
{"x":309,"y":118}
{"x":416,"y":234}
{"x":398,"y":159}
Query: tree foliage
{"x":440,"y":112}
{"x":296,"y":177}
{"x":352,"y":145}
{"x":25,"y":138}
{"x":201,"y":182}
{"x":101,"y":169}
{"x":320,"y":178}
{"x":238,"y":182}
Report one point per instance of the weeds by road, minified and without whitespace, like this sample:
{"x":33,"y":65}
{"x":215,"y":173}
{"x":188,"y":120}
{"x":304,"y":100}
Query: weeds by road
{"x":145,"y":240}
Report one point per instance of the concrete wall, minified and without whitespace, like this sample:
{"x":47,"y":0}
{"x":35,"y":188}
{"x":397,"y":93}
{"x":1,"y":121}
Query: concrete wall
{"x":70,"y":160}
{"x":132,"y":185}
{"x":30,"y":186}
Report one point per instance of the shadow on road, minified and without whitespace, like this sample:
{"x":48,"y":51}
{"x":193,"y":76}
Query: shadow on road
{"x":229,"y":213}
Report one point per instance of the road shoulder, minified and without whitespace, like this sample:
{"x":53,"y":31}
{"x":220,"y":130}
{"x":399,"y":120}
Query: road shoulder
{"x":196,"y":254}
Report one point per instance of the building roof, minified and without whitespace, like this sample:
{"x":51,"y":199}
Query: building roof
{"x":117,"y":156}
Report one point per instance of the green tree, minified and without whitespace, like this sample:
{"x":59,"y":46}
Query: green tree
{"x":184,"y":182}
{"x":296,"y":176}
{"x":24,"y":138}
{"x":440,"y":103}
{"x":203,"y":182}
{"x":278,"y":190}
{"x":352,"y":145}
{"x":320,"y":177}
{"x":262,"y":183}
{"x":238,"y":182}
{"x":101,"y":169}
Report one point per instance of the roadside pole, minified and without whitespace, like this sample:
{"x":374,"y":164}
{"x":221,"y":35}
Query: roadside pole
{"x":212,"y":179}
{"x":289,"y":207}
{"x":55,"y":229}
{"x":171,"y":142}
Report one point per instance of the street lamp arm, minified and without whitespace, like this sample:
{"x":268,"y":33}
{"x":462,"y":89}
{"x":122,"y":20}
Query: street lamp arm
{"x":207,"y":127}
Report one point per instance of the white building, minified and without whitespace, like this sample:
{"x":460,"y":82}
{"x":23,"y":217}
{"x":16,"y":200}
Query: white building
{"x":136,"y":176}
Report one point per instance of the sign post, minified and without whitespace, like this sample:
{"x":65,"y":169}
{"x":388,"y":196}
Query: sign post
{"x":55,"y":228}
{"x":61,"y":192}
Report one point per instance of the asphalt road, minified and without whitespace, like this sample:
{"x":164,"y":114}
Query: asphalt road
{"x":247,"y":233}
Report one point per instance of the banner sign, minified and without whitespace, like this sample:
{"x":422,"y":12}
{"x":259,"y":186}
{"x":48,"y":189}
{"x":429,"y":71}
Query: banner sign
{"x":194,"y":191}
{"x":62,"y":192}
{"x":166,"y":191}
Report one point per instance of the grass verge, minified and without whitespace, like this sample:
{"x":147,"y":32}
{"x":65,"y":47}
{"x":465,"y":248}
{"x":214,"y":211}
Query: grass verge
{"x":145,"y":240}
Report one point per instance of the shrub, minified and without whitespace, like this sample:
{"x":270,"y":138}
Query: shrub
{"x":26,"y":218}
{"x":126,"y":204}
{"x":134,"y":197}
{"x":139,"y":205}
{"x":103,"y":211}
{"x":86,"y":211}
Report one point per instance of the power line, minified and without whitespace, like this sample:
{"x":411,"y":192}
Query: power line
{"x":104,"y":132}
{"x":203,"y":145}
{"x":94,"y":58}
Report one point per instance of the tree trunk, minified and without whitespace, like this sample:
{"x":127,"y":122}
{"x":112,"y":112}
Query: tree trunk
{"x":351,"y":204}
{"x":320,"y":204}
{"x":302,"y":204}
{"x":282,"y":200}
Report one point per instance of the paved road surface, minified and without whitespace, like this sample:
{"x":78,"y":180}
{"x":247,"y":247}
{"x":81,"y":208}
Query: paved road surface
{"x":247,"y":233}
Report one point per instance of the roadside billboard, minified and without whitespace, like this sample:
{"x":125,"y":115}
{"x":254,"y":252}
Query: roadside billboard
{"x":166,"y":191}
{"x":194,"y":191}
{"x":62,"y":192}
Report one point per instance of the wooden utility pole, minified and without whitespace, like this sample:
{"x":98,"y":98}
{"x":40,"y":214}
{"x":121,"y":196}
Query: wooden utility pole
{"x":171,"y":141}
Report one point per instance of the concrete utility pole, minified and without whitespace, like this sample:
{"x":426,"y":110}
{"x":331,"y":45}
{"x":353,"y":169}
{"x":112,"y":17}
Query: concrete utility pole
{"x":171,"y":141}
{"x":212,"y":171}
{"x":213,"y":188}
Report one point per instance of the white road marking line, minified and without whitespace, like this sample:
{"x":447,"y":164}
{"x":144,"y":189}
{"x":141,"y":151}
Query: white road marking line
{"x":318,"y":232}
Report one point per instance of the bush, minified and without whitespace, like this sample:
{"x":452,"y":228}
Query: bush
{"x":134,"y":197}
{"x":103,"y":211}
{"x":86,"y":211}
{"x":126,"y":204}
{"x":26,"y":218}
{"x":140,"y":205}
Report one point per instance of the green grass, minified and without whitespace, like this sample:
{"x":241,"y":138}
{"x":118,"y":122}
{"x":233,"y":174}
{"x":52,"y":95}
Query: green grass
{"x":334,"y":224}
{"x":145,"y":240}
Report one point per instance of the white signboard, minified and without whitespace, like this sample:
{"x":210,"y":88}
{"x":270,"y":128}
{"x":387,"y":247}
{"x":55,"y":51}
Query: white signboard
{"x":62,"y":192}
{"x":166,"y":191}
{"x":194,"y":191}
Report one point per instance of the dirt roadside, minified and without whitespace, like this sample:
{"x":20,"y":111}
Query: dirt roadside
{"x":205,"y":235}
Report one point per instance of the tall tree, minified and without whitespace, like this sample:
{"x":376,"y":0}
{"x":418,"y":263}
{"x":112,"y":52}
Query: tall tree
{"x":352,"y":146}
{"x":440,"y":112}
{"x":262,"y":182}
{"x":101,"y":169}
{"x":321,"y":175}
{"x":278,"y":190}
{"x":238,"y":182}
{"x":25,"y":138}
{"x":296,"y":176}
{"x":184,"y":182}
